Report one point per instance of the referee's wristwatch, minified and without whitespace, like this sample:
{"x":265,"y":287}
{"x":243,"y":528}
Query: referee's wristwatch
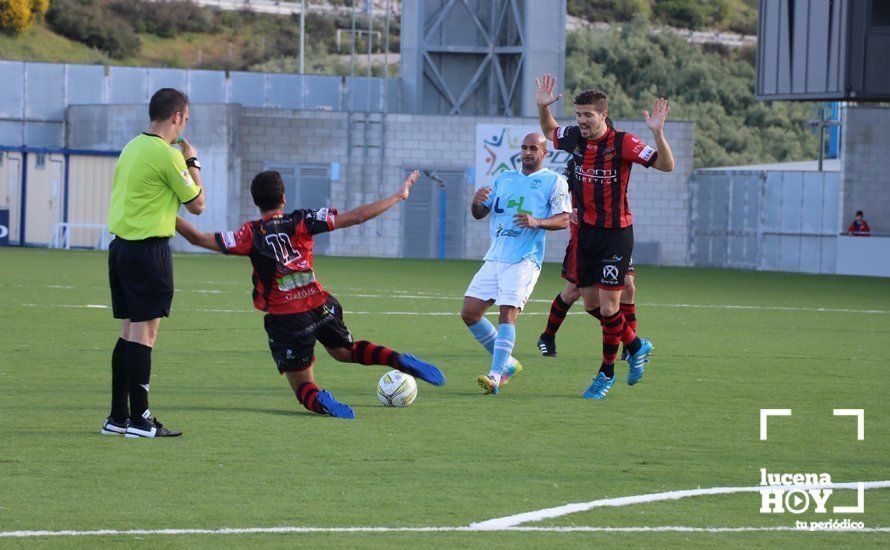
{"x":193,"y":162}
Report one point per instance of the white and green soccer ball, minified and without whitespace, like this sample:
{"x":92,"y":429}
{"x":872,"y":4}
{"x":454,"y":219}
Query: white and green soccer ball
{"x":396,"y":389}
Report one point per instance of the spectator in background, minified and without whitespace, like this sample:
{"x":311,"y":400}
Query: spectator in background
{"x":859,"y":227}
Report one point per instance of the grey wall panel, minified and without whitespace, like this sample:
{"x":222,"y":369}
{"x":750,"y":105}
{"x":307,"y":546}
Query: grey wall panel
{"x":831,"y":203}
{"x":772,"y":214}
{"x":718,"y":250}
{"x":167,"y":78}
{"x":811,"y":202}
{"x":12,"y":89}
{"x":811,"y":254}
{"x":128,"y":85}
{"x":792,"y":191}
{"x":43,"y":134}
{"x":789,"y":253}
{"x":85,"y":84}
{"x":771,"y":253}
{"x":12,"y":133}
{"x":248,"y":89}
{"x":324,"y":93}
{"x":829,"y":255}
{"x":45,"y":97}
{"x":363,"y":95}
{"x":785,"y":221}
{"x":207,"y":86}
{"x":284,"y":91}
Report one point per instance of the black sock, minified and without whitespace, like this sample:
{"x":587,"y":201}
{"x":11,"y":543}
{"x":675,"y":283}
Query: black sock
{"x":138,"y":374}
{"x":119,"y":388}
{"x":608,"y":370}
{"x":634,"y":346}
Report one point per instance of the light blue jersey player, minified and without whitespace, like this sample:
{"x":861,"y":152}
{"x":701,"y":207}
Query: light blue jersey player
{"x":523,"y":205}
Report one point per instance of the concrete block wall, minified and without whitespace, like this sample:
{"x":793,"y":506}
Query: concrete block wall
{"x":866,"y":183}
{"x":659,"y":202}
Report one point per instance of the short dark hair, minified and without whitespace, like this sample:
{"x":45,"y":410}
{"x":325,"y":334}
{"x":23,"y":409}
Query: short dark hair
{"x":267,"y":189}
{"x":593,"y":97}
{"x":859,"y":213}
{"x":165,"y":103}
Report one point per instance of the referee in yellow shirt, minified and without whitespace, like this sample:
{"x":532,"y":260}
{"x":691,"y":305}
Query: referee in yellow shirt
{"x":151,"y":180}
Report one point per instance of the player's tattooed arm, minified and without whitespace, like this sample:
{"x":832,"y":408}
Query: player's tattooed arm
{"x":553,"y":223}
{"x":545,"y":98}
{"x":366,"y":212}
{"x":665,"y":160}
{"x":194,"y":236}
{"x":478,"y":208}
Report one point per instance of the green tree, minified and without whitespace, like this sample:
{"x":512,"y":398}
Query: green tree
{"x":713,"y":87}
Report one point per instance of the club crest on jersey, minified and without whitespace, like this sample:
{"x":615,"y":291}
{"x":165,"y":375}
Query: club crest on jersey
{"x":609,"y":153}
{"x":535,"y":184}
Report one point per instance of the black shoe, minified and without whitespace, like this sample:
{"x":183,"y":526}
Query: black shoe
{"x":149,"y":428}
{"x":547,"y":345}
{"x":113,"y":427}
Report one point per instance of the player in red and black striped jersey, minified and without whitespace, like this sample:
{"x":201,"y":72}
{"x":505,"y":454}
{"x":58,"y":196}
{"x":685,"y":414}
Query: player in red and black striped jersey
{"x":570,"y":294}
{"x":602,"y":158}
{"x":299,"y":311}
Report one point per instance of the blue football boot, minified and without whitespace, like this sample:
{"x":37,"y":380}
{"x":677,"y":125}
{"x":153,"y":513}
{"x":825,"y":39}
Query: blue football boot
{"x":637,"y":360}
{"x":421,"y":369}
{"x":334,"y":407}
{"x":600,"y":386}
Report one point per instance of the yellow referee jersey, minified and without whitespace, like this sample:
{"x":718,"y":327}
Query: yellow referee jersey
{"x":151,"y":181}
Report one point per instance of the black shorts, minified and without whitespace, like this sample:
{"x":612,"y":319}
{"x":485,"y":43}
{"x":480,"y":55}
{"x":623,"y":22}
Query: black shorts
{"x":292,"y":337}
{"x":140,"y":274}
{"x":603,"y":256}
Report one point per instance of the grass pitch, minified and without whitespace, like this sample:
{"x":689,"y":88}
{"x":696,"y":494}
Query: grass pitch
{"x":728,"y":343}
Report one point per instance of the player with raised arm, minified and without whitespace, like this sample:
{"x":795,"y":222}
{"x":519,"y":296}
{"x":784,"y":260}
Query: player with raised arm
{"x":602,"y":159}
{"x":524,"y":205}
{"x":298,"y":310}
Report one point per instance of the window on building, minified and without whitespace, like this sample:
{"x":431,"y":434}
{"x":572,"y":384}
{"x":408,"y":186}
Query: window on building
{"x":41,"y":160}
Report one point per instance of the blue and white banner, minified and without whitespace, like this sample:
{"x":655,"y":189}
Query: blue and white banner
{"x":498,"y":149}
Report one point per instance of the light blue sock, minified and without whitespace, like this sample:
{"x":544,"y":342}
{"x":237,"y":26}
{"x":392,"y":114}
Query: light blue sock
{"x":503,"y":347}
{"x":485,"y":334}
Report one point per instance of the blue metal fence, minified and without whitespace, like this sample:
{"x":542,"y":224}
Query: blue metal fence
{"x":34,"y":96}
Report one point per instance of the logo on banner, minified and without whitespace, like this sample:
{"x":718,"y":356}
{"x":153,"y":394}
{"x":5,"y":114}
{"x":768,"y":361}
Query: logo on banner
{"x":498,"y":149}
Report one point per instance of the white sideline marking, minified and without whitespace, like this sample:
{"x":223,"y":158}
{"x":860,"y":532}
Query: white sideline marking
{"x":526,"y":313}
{"x":547,"y":513}
{"x":509,"y":523}
{"x":490,"y":312}
{"x":280,"y":530}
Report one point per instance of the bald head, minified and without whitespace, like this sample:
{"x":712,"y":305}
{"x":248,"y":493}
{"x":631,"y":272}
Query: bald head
{"x":534,"y":149}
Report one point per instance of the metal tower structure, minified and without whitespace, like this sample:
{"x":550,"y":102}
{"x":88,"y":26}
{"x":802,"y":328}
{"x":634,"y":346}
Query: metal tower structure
{"x":479,"y":57}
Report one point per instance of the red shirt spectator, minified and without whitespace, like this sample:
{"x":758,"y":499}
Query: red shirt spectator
{"x":859,"y":227}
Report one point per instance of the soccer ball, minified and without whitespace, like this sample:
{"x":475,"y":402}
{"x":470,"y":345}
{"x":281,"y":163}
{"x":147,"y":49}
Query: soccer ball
{"x":396,"y":389}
